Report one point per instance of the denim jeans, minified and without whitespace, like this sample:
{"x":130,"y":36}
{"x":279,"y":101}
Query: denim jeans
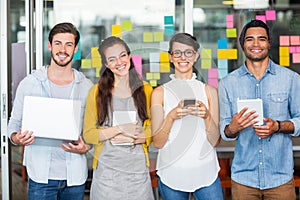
{"x":212,"y":192}
{"x":54,"y":190}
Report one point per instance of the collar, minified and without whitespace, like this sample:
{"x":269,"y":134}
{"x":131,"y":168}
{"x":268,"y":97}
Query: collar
{"x":172,"y":76}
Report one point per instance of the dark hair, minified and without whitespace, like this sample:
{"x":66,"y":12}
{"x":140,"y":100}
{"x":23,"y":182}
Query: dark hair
{"x":64,"y":27}
{"x":184,"y":38}
{"x":252,"y":24}
{"x":106,"y":84}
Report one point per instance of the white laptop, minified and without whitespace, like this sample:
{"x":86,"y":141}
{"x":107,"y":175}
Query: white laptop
{"x":252,"y":104}
{"x":52,"y":118}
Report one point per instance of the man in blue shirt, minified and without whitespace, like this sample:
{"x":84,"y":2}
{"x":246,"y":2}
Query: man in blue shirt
{"x":262,"y":167}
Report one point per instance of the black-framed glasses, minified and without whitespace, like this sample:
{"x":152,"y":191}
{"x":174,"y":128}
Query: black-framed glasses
{"x":187,"y":53}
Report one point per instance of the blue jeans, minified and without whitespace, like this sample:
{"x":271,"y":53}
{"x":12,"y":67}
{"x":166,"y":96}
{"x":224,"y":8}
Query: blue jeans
{"x":212,"y":192}
{"x":54,"y":190}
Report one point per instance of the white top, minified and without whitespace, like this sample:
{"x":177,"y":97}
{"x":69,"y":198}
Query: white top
{"x":187,"y":161}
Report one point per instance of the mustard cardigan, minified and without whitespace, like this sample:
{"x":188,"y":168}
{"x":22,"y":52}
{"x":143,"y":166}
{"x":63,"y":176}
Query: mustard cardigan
{"x":91,"y":130}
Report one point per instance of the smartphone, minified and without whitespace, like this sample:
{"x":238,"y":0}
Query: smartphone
{"x":189,"y":102}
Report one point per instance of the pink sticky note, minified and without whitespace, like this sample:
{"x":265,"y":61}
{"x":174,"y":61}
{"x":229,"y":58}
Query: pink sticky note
{"x":261,"y":18}
{"x":297,"y":49}
{"x":296,"y":57}
{"x":295,"y":40}
{"x":270,"y":15}
{"x":213,"y":73}
{"x":284,"y":40}
{"x":229,"y":24}
{"x":137,"y":61}
{"x":229,"y":18}
{"x":213,"y":82}
{"x":293,"y":50}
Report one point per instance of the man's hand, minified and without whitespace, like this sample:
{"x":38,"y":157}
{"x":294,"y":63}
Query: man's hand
{"x":26,"y":138}
{"x":268,"y":129}
{"x":240,"y":121}
{"x":79,"y":147}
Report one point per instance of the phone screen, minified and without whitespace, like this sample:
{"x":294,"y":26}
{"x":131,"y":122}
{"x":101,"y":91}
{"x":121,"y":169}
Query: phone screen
{"x":189,"y":102}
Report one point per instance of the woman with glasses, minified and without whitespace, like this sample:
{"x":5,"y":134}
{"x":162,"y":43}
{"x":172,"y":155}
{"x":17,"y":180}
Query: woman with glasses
{"x":184,"y":118}
{"x":117,"y":123}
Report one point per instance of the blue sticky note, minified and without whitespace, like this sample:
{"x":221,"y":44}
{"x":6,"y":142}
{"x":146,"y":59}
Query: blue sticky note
{"x":223,"y":64}
{"x":77,"y":55}
{"x":168,"y":20}
{"x":222,"y":44}
{"x":169,"y":30}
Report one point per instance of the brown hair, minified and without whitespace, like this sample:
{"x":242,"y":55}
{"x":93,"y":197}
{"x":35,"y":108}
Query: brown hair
{"x":106,"y":84}
{"x":64,"y":27}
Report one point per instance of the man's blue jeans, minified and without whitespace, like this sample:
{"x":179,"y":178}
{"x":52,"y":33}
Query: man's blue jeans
{"x":54,"y":190}
{"x":212,"y":192}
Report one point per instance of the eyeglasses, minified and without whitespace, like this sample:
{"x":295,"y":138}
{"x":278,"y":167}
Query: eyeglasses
{"x":113,"y":60}
{"x":187,"y":53}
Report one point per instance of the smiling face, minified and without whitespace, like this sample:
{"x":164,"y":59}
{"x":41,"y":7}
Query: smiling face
{"x":117,"y":60}
{"x":62,"y":48}
{"x":256,"y":44}
{"x":183,"y":64}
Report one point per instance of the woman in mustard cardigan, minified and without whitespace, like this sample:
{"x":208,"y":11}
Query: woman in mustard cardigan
{"x":120,"y":149}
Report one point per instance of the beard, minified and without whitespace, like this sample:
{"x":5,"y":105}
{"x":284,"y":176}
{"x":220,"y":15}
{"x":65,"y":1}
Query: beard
{"x":62,"y":63}
{"x":256,"y":58}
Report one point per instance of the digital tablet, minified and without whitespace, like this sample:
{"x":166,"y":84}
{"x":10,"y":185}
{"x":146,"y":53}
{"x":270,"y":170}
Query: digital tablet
{"x":252,"y":104}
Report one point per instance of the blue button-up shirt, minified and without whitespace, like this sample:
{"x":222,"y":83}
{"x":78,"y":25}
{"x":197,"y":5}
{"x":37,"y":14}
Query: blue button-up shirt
{"x":262,"y":163}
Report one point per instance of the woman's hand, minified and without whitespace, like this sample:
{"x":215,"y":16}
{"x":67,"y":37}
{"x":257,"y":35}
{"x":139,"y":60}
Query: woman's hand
{"x":178,"y":112}
{"x":200,"y":110}
{"x":129,"y":129}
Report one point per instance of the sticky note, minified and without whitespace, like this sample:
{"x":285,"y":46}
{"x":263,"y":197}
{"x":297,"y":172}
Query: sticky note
{"x":222,"y":53}
{"x":222,"y":73}
{"x":293,"y":49}
{"x":137,"y":61}
{"x":213,"y":82}
{"x":95,"y":52}
{"x":147,"y":37}
{"x":98,"y":72}
{"x":156,"y":75}
{"x":229,"y":18}
{"x":232,"y":54}
{"x":154,"y":57}
{"x":164,"y":57}
{"x":96,"y":62}
{"x":127,"y":25}
{"x":86,"y":63}
{"x":298,"y":49}
{"x":206,"y":63}
{"x":222,"y":44}
{"x":284,"y":61}
{"x":169,"y":30}
{"x":213,"y":73}
{"x":229,"y":25}
{"x":222,"y":63}
{"x":164,"y":46}
{"x":284,"y":40}
{"x":149,"y":75}
{"x":261,"y":18}
{"x":270,"y":15}
{"x":296,"y":57}
{"x":116,"y":30}
{"x":164,"y":67}
{"x":206,"y":53}
{"x":158,"y":36}
{"x":295,"y":40}
{"x":77,"y":55}
{"x":153,"y":83}
{"x":154,"y":67}
{"x":284,"y":52}
{"x":168,"y":20}
{"x":231,"y":32}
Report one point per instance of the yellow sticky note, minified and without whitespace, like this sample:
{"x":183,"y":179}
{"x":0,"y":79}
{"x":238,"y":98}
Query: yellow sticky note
{"x":95,"y":52}
{"x":156,"y":75}
{"x":232,"y":54}
{"x":153,"y":83}
{"x":148,"y":37}
{"x":96,"y":62}
{"x":222,"y":53}
{"x":158,"y":36}
{"x":206,"y":53}
{"x":231,"y":32}
{"x":86,"y":63}
{"x":164,"y":67}
{"x":149,"y":76}
{"x":284,"y":61}
{"x":284,"y":51}
{"x":164,"y":57}
{"x":98,"y":72}
{"x":127,"y":25}
{"x":205,"y":63}
{"x":116,"y":30}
